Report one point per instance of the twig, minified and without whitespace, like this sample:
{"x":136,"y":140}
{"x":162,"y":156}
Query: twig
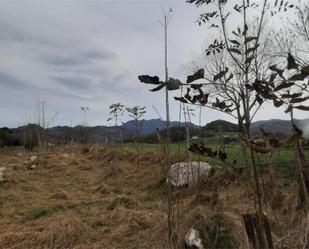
{"x":289,"y":234}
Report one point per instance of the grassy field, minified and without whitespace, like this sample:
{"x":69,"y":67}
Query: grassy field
{"x":114,"y":198}
{"x":284,"y":157}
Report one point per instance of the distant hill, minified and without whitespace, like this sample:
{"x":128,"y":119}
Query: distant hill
{"x":102,"y":134}
{"x":99,"y":134}
{"x":179,"y":133}
{"x":148,"y":127}
{"x":278,"y":125}
{"x":222,"y":124}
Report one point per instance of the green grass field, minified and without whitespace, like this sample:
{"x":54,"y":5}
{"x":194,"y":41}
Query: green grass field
{"x":284,"y":157}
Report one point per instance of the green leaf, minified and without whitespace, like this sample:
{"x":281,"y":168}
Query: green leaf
{"x":249,"y":60}
{"x":259,"y":99}
{"x":173,"y":84}
{"x":276,"y":69}
{"x":302,"y":107}
{"x":291,"y":62}
{"x":235,"y":50}
{"x":158,"y":87}
{"x":297,"y":77}
{"x":234,"y":33}
{"x":284,"y":85}
{"x":298,"y":100}
{"x":220,"y":75}
{"x":149,"y":79}
{"x":273,"y":76}
{"x":291,"y":96}
{"x":181,"y":99}
{"x":278,"y":103}
{"x":235,"y":42}
{"x":305,"y":70}
{"x":250,"y":38}
{"x":249,"y":50}
{"x":199,"y":74}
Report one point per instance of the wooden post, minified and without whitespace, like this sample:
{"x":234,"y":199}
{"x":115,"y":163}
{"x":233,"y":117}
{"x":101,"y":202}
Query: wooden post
{"x":258,"y":233}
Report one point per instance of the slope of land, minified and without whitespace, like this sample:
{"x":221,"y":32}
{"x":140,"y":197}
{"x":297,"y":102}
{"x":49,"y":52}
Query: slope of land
{"x":115,"y":198}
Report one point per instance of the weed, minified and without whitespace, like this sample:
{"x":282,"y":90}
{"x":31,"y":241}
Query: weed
{"x":37,"y":212}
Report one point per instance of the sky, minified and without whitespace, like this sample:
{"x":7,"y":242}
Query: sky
{"x":89,"y":53}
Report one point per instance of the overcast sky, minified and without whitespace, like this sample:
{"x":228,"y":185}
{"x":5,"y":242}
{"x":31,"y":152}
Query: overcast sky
{"x":89,"y":53}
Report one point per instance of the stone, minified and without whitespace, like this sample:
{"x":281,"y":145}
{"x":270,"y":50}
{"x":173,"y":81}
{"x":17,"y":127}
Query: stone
{"x":187,"y":174}
{"x":33,"y":166}
{"x":32,"y":162}
{"x":193,"y":239}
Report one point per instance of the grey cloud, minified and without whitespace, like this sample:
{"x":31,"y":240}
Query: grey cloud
{"x":73,"y":82}
{"x":90,"y":52}
{"x":9,"y":80}
{"x":79,"y":58}
{"x":9,"y":32}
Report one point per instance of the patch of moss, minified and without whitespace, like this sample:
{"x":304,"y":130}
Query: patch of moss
{"x":36,"y":213}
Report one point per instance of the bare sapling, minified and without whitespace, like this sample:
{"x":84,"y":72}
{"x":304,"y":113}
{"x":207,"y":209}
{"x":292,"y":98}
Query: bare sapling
{"x":116,"y":111}
{"x":136,"y":113}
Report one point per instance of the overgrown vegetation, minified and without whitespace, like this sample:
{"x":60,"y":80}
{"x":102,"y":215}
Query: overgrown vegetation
{"x":117,"y":193}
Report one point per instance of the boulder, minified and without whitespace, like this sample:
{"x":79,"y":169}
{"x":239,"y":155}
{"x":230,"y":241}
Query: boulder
{"x":186,"y":174}
{"x":32,"y":162}
{"x":193,"y":239}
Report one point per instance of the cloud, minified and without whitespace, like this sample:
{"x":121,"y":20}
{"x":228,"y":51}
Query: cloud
{"x":9,"y":80}
{"x":74,"y":82}
{"x":79,"y":58}
{"x":75,"y":53}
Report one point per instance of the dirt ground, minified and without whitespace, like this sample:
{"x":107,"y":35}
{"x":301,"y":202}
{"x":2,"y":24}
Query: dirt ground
{"x":115,"y":198}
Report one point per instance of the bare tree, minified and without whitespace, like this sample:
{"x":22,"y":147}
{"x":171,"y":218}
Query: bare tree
{"x":116,"y":110}
{"x":229,"y":88}
{"x":240,"y":64}
{"x":83,"y":129}
{"x":136,"y":113}
{"x":287,"y":87}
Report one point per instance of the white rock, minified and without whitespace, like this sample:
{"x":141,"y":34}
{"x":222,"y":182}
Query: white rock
{"x":33,"y":166}
{"x":193,"y":239}
{"x":32,"y":162}
{"x":183,"y":173}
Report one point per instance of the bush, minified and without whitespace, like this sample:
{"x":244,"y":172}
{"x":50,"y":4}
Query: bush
{"x":8,"y":138}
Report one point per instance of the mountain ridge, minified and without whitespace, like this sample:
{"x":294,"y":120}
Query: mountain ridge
{"x":103,"y":134}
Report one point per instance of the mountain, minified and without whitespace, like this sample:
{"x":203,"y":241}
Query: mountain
{"x":179,"y":133}
{"x":102,"y":134}
{"x":279,"y":126}
{"x":221,"y":124}
{"x":148,"y":127}
{"x":97,"y":134}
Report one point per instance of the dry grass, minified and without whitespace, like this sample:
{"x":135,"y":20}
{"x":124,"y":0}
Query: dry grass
{"x":114,"y":198}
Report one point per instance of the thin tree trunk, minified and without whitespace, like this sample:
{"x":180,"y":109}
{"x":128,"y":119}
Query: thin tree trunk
{"x":303,"y":191}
